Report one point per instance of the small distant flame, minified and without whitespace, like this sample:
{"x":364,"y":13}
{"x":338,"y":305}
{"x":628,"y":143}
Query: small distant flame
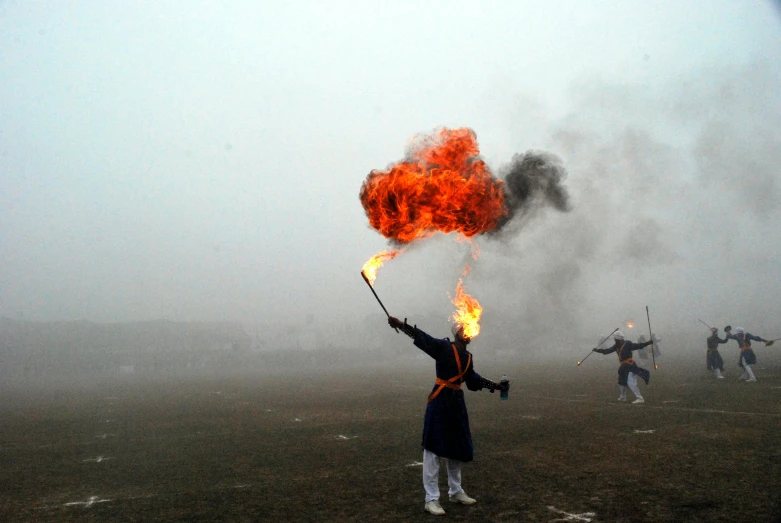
{"x":371,"y":267}
{"x":630,"y":325}
{"x":468,"y":310}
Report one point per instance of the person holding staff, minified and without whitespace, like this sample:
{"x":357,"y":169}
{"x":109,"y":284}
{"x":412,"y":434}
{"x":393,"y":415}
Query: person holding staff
{"x":628,"y":369}
{"x":713,"y":358}
{"x":446,"y":431}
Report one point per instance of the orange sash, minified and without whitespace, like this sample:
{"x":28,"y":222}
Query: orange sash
{"x":629,"y":360}
{"x":454,"y":382}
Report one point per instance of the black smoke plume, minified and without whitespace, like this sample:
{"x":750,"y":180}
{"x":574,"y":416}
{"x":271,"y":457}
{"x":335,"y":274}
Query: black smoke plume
{"x":532,"y":181}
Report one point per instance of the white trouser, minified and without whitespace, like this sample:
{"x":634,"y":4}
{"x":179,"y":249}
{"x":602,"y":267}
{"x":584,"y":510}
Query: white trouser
{"x":431,"y":475}
{"x":717,"y":372}
{"x":747,"y":372}
{"x":631,"y":381}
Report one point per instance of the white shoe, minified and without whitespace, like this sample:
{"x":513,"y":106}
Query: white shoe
{"x":638,"y":401}
{"x":720,"y":377}
{"x":621,"y":398}
{"x":462,"y":498}
{"x":751,"y":380}
{"x":433,"y":507}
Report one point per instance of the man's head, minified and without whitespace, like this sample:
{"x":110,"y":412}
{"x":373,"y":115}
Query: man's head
{"x":618,"y":336}
{"x":739,"y":330}
{"x":457,"y":329}
{"x":714,"y":330}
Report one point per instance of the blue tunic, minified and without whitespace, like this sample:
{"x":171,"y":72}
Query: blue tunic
{"x":624,"y":350}
{"x":446,"y":424}
{"x":744,"y":342}
{"x":713,"y":359}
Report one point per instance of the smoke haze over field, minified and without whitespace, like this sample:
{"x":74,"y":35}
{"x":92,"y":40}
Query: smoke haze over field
{"x":202,"y":163}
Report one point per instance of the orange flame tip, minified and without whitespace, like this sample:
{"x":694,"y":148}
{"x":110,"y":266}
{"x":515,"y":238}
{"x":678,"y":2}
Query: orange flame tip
{"x":468,"y":312}
{"x":374,"y":263}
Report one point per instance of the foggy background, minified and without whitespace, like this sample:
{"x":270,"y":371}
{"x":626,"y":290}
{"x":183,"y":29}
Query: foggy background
{"x":193,"y":162}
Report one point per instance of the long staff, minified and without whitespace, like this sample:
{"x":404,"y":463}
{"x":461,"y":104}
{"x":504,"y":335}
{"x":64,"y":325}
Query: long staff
{"x":600,"y":343}
{"x":697,"y":320}
{"x":651,"y":334}
{"x":375,"y":295}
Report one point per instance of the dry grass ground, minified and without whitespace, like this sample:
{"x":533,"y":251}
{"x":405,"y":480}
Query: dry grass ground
{"x":346,"y":448}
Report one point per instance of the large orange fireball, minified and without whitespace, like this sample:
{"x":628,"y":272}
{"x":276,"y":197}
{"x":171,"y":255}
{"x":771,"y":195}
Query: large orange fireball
{"x":442,"y":185}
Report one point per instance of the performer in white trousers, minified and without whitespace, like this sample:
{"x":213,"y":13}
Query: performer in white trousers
{"x":747,"y":356}
{"x":446,"y":431}
{"x":631,"y":383}
{"x":431,"y":464}
{"x":628,"y":369}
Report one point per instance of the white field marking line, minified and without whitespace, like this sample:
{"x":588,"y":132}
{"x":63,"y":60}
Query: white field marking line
{"x":686,"y":409}
{"x":87,"y":504}
{"x":96,"y":459}
{"x":717,"y":411}
{"x":644,"y":431}
{"x":585,"y":516}
{"x":343,"y":437}
{"x":415,"y":464}
{"x":95,"y":499}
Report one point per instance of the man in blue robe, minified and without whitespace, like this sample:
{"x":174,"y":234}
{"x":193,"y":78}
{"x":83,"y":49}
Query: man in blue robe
{"x":747,"y":356}
{"x":713,"y":358}
{"x":446,"y":424}
{"x":628,"y":369}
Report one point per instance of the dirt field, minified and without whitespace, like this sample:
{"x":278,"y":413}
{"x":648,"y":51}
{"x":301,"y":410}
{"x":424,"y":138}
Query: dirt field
{"x":346,"y":448}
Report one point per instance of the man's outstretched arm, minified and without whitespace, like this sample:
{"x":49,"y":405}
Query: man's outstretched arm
{"x":428,"y":344}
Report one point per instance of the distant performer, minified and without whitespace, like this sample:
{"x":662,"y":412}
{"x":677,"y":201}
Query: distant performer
{"x":644,"y":352}
{"x":747,"y":356}
{"x":446,"y":431}
{"x":713,"y":358}
{"x":628,"y":369}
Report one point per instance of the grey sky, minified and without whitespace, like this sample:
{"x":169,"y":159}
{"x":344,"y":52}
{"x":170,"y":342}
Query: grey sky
{"x":202,"y":161}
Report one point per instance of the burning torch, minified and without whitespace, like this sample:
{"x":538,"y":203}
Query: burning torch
{"x":600,"y":343}
{"x":370,"y":268}
{"x":375,"y":295}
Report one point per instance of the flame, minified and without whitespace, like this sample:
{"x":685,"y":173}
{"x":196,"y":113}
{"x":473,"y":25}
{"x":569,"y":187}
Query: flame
{"x":630,"y":325}
{"x":468,"y":310}
{"x":442,"y":185}
{"x":371,"y":267}
{"x":472,"y":245}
